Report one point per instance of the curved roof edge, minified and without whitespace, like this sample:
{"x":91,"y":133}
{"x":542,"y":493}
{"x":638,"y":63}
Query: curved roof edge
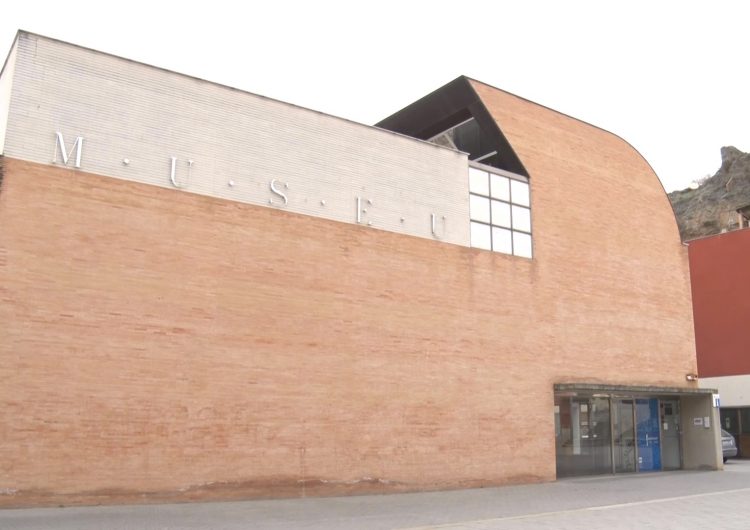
{"x":588,"y":124}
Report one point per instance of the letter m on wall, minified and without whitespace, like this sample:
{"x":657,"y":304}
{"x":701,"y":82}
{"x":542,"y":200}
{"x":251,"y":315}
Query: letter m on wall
{"x":64,"y":153}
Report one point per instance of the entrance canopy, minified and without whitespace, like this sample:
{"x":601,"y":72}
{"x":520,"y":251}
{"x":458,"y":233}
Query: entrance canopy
{"x":607,"y":390}
{"x":621,"y":429}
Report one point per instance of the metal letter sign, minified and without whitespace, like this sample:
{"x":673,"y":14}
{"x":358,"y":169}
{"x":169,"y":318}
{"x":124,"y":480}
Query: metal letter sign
{"x":433,"y":225}
{"x":277,"y":193}
{"x":275,"y":189}
{"x":77,"y":147}
{"x":173,"y":173}
{"x":361,"y":212}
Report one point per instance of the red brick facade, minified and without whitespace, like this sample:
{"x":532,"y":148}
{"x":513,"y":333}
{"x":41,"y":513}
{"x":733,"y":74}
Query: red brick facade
{"x":162,"y":345}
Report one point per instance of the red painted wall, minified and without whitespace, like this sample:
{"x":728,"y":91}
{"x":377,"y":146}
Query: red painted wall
{"x":720,"y":278}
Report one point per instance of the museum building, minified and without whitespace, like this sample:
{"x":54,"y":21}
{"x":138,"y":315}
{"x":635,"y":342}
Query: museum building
{"x":209,"y":294}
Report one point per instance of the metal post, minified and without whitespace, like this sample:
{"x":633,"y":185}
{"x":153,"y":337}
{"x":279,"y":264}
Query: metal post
{"x":635,"y":436}
{"x":612,"y":434}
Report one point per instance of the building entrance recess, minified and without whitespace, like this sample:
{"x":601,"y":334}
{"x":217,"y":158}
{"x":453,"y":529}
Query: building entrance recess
{"x":597,"y":433}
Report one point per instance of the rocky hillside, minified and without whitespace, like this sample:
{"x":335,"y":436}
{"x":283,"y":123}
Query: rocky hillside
{"x":712,"y":207}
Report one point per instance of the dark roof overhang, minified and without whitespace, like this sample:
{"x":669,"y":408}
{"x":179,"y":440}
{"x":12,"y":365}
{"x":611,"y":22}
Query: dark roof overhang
{"x":447,"y":106}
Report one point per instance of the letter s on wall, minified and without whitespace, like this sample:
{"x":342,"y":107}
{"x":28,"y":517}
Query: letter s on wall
{"x":274,"y":185}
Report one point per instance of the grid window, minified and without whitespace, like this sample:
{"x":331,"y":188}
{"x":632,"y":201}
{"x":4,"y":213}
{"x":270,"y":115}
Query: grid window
{"x":500,"y":213}
{"x":502,"y":240}
{"x":522,"y":244}
{"x":521,"y":218}
{"x":519,"y":193}
{"x":478,"y":182}
{"x":481,"y":236}
{"x":479,"y":208}
{"x":500,"y":187}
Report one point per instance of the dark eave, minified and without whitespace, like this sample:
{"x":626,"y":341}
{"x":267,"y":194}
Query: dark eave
{"x":447,"y":106}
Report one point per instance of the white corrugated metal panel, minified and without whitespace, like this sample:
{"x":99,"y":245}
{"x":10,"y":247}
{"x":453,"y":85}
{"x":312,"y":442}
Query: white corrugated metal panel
{"x":6,"y":87}
{"x":125,"y":109}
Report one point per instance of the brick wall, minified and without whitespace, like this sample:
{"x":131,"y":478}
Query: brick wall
{"x":163,"y":345}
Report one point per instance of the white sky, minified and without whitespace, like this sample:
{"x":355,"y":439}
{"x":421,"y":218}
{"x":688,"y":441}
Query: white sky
{"x":669,"y":77}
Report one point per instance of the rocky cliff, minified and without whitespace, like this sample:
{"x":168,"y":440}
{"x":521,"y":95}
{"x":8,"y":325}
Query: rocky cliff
{"x":712,"y":207}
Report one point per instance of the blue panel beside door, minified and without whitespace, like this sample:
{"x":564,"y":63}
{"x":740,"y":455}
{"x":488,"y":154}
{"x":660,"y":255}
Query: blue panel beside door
{"x":647,"y":421}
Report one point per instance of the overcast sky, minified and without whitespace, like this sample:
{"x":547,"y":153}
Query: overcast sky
{"x":671,"y":78}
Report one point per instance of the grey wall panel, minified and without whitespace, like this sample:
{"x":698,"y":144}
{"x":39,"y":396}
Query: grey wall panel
{"x":124,"y":109}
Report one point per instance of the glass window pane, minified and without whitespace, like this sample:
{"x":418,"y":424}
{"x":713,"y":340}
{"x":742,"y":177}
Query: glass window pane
{"x":501,"y":214}
{"x":745,"y":421}
{"x":583,"y":440}
{"x":479,"y":208}
{"x":624,"y":429}
{"x":519,"y":192}
{"x":501,"y":240}
{"x":522,"y":244}
{"x":521,"y":218}
{"x":730,"y":420}
{"x":479,"y":181}
{"x":480,"y":236}
{"x":500,"y":187}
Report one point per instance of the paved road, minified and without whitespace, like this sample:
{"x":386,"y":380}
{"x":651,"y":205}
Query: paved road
{"x":675,"y":500}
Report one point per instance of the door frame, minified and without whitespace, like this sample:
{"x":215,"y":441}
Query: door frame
{"x":677,"y":412}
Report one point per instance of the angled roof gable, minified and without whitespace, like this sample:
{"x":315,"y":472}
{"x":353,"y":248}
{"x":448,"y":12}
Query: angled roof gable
{"x":447,"y":107}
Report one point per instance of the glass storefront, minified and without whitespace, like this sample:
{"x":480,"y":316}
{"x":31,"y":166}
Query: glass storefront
{"x":583,"y":436}
{"x":597,"y":434}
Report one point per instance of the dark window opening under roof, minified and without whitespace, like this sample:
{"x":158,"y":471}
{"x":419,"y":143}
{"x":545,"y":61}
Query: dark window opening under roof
{"x":454,"y":116}
{"x":468,"y":137}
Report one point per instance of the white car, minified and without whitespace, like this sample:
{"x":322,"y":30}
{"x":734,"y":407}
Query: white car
{"x":728,"y":445}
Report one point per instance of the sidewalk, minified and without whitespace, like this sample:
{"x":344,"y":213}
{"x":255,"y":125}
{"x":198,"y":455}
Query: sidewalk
{"x":680,"y":499}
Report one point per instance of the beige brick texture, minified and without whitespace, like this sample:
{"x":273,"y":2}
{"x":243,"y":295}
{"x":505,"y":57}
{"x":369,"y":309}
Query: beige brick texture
{"x":160,"y":345}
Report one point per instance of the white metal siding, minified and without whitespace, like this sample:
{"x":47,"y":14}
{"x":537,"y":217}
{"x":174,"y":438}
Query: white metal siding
{"x":6,"y":86}
{"x":124,"y":109}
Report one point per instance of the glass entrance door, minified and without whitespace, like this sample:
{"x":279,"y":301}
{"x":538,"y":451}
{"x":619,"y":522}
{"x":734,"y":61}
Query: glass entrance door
{"x":670,"y":433}
{"x":623,"y":429}
{"x":582,"y":436}
{"x":648,"y":435}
